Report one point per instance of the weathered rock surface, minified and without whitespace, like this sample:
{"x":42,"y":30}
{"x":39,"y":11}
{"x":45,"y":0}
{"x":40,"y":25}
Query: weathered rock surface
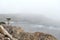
{"x":3,"y":37}
{"x":19,"y":34}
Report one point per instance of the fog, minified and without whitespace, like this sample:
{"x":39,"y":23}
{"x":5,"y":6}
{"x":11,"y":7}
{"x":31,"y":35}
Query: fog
{"x":33,"y":15}
{"x":34,"y":23}
{"x":49,"y":8}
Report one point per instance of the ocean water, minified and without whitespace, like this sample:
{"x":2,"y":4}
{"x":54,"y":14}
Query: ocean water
{"x":55,"y":31}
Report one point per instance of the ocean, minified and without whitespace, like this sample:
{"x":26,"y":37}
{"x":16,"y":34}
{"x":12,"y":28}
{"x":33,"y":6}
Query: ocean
{"x":55,"y":31}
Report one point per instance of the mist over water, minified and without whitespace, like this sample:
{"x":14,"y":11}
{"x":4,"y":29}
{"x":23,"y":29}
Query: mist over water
{"x":55,"y":31}
{"x":33,"y":15}
{"x":34,"y":23}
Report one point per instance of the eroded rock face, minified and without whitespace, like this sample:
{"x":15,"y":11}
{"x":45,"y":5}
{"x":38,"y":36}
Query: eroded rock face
{"x":43,"y":36}
{"x":18,"y":33}
{"x":13,"y":29}
{"x":3,"y":37}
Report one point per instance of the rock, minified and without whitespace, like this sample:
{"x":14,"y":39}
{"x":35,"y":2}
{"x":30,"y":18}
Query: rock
{"x":19,"y":34}
{"x":13,"y":29}
{"x":6,"y":33}
{"x":43,"y":36}
{"x":2,"y":37}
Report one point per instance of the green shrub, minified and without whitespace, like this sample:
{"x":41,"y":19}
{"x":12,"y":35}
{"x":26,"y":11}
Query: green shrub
{"x":2,"y":23}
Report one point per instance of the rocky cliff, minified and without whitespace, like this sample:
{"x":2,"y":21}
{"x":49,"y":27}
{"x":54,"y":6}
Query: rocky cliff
{"x":19,"y":34}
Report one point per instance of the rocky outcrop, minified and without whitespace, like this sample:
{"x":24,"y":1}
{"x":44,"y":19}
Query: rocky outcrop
{"x":43,"y":36}
{"x":18,"y":33}
{"x":6,"y":33}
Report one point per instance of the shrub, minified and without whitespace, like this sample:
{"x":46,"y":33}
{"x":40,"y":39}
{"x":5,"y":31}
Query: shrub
{"x":2,"y":23}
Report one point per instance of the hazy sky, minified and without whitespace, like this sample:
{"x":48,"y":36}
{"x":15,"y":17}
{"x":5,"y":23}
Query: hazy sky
{"x":49,"y":8}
